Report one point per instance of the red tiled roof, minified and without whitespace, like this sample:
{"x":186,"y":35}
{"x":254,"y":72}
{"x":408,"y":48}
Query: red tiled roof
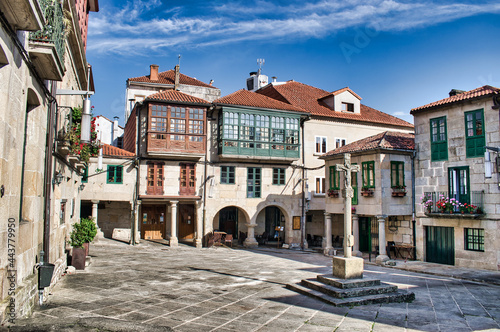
{"x":113,"y":151}
{"x":309,"y":99}
{"x":485,"y":90}
{"x":168,"y":77}
{"x":388,"y":140}
{"x":247,"y":98}
{"x":176,"y":96}
{"x":334,"y":93}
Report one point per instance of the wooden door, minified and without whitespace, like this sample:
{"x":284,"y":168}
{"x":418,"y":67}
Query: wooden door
{"x":440,"y":245}
{"x":155,"y":179}
{"x":186,"y":222}
{"x":153,"y":222}
{"x":364,"y":234}
{"x":188,"y":179}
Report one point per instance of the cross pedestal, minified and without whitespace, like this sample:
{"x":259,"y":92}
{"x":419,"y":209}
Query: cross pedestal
{"x":348,"y":267}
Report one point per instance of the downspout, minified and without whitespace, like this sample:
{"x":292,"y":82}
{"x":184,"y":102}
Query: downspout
{"x":137,"y":180}
{"x":303,"y":215}
{"x":205,"y":171}
{"x":48,"y":169}
{"x":413,"y":222}
{"x":23,"y":166}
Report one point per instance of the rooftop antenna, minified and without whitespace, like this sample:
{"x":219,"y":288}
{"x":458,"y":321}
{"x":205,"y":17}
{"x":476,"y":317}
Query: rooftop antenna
{"x":260,"y":62}
{"x":179,"y":60}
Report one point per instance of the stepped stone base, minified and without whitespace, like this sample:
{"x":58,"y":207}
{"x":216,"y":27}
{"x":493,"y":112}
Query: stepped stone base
{"x":347,"y":292}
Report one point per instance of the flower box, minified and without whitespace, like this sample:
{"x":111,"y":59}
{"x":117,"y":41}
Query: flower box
{"x":333,"y":193}
{"x":367,"y":192}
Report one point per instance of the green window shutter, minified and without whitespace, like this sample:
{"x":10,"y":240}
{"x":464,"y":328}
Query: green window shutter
{"x":368,"y":174}
{"x":334,"y":178}
{"x":85,"y":176}
{"x":354,"y":185}
{"x":111,"y":174}
{"x":474,"y":133}
{"x":397,"y":173}
{"x":439,"y":139}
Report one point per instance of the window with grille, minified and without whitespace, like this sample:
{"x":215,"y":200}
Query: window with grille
{"x":474,"y":133}
{"x":188,"y":179}
{"x":155,"y":179}
{"x":474,"y":239}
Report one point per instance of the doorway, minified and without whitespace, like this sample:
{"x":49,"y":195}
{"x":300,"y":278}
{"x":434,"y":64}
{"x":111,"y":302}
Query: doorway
{"x":440,"y":245}
{"x":153,"y":222}
{"x":273,"y":219}
{"x":186,"y":222}
{"x":228,"y":221}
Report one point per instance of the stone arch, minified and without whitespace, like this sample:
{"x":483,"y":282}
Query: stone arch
{"x":33,"y":99}
{"x":231,"y":218}
{"x":261,"y":220}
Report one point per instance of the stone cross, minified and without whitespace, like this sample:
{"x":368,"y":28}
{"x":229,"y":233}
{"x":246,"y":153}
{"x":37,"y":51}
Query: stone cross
{"x":349,"y":194}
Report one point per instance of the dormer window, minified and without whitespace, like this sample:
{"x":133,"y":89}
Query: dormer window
{"x":347,"y":107}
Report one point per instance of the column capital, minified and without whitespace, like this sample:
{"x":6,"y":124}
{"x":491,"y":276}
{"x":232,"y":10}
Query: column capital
{"x":354,"y":216}
{"x":174,"y":203}
{"x":251,"y":225}
{"x":327,"y":214}
{"x":95,"y":201}
{"x":381,"y":217}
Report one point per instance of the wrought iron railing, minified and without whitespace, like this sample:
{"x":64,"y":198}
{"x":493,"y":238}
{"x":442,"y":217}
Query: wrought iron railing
{"x":54,"y":30}
{"x":441,"y":202}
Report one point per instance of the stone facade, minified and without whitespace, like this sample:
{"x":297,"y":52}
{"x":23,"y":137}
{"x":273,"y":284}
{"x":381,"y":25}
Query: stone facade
{"x":433,"y":177}
{"x":37,"y":212}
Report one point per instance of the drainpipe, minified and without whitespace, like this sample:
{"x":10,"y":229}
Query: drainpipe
{"x":137,"y":180}
{"x":413,"y":222}
{"x":23,"y":166}
{"x":303,"y":215}
{"x":47,"y":177}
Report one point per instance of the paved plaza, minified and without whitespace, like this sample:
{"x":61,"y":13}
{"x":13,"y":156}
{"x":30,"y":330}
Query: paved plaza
{"x":152,"y":287}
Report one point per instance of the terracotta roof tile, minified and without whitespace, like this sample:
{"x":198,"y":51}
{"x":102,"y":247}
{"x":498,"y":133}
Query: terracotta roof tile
{"x":176,"y":96}
{"x":168,"y":77}
{"x":309,"y":99}
{"x":113,"y":151}
{"x":388,"y":140}
{"x":247,"y":98}
{"x":485,"y":90}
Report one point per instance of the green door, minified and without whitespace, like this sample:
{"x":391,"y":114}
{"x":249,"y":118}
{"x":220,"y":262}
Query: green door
{"x":440,"y":245}
{"x":364,"y":234}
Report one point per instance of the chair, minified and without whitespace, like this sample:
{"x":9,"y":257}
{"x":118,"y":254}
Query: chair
{"x":391,"y":246}
{"x":229,"y":238}
{"x":217,"y":238}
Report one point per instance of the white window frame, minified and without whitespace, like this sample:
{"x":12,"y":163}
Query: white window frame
{"x":340,"y":138}
{"x":322,"y":185}
{"x":321,"y":138}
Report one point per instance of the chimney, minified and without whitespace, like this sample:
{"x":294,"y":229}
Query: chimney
{"x":115,"y":131}
{"x":275,"y":79}
{"x":455,"y":92}
{"x":153,"y":72}
{"x":211,"y":82}
{"x":177,"y":74}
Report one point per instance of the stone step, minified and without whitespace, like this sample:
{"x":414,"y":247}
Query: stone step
{"x":399,"y":296}
{"x":349,"y":292}
{"x":347,"y":283}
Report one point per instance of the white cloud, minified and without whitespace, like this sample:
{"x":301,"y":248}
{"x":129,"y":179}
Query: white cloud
{"x":151,"y":25}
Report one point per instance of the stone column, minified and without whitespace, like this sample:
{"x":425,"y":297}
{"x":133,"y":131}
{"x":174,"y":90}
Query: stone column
{"x":173,"y":224}
{"x":99,"y":234}
{"x":327,"y":249}
{"x":250,"y":241}
{"x":382,"y":257}
{"x":137,"y":218}
{"x":198,"y":242}
{"x":355,"y":233}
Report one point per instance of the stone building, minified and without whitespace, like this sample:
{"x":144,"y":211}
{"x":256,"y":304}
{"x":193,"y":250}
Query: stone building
{"x":138,"y":88}
{"x":456,"y":182}
{"x":383,"y":200}
{"x":41,"y":54}
{"x":334,"y":119}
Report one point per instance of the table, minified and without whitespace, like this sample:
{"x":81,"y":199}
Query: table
{"x":219,"y":238}
{"x":404,"y":249}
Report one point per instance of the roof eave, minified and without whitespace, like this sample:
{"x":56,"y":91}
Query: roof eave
{"x":434,"y":107}
{"x":260,"y":108}
{"x":368,"y":151}
{"x":178,"y":102}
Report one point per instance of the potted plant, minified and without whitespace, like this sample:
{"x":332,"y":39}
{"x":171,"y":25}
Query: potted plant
{"x":77,"y":240}
{"x":333,"y":192}
{"x":89,"y":230}
{"x":83,"y":233}
{"x":366,"y":191}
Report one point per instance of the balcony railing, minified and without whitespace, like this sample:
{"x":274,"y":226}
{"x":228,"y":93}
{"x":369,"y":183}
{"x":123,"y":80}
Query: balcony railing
{"x":442,"y":203}
{"x":54,"y":30}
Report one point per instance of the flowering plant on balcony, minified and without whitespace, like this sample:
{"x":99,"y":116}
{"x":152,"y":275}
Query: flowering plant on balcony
{"x":467,"y":208}
{"x":83,"y":150}
{"x":333,"y":192}
{"x":446,"y":204}
{"x":427,"y":202}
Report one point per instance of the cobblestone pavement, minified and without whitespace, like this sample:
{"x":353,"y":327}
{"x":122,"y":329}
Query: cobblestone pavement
{"x":152,"y":287}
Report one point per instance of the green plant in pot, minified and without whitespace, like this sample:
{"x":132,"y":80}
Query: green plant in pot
{"x":83,"y":233}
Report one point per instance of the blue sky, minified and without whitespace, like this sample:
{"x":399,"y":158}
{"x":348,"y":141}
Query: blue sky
{"x":395,"y":54}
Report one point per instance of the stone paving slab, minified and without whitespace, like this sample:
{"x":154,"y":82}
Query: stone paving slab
{"x":151,"y":287}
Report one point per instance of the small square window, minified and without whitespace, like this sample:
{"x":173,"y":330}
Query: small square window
{"x":347,"y":107}
{"x":278,"y":176}
{"x":474,"y":239}
{"x":227,"y":174}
